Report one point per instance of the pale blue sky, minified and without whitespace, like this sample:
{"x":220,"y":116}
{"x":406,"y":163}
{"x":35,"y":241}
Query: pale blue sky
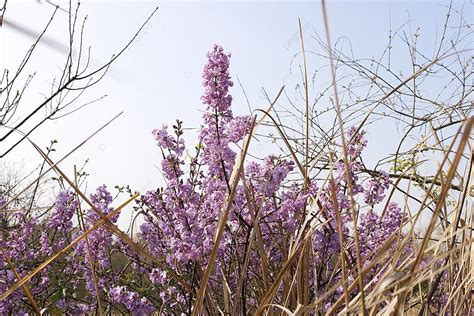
{"x":159,"y":78}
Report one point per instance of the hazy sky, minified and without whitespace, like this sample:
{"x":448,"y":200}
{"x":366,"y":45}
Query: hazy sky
{"x":159,"y":78}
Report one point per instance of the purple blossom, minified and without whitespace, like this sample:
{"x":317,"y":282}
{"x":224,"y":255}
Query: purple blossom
{"x":375,"y":191}
{"x":136,"y":304}
{"x":158,"y":277}
{"x":65,"y":208}
{"x":216,"y":80}
{"x":162,"y":137}
{"x":356,"y":142}
{"x":239,"y":127}
{"x":374,"y":229}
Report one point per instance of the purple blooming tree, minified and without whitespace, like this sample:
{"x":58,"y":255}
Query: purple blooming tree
{"x":274,"y":214}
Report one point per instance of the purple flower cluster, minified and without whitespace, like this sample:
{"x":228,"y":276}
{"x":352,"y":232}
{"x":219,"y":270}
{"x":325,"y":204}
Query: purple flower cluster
{"x":65,"y":208}
{"x":356,"y":141}
{"x":100,"y":244}
{"x":375,"y":229}
{"x":375,"y":191}
{"x":216,"y":81}
{"x":133,"y":302}
{"x":17,"y":238}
